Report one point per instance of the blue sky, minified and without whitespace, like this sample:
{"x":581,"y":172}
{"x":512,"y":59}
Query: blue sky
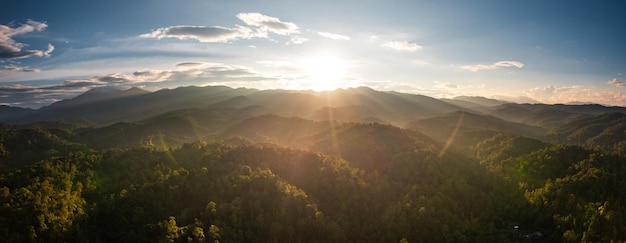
{"x":524,"y":51}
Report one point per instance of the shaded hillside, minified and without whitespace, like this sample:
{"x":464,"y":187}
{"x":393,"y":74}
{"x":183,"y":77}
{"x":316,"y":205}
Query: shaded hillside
{"x":354,"y":113}
{"x":549,"y":115}
{"x":170,"y":129}
{"x":98,"y":105}
{"x":606,"y":130}
{"x":13,"y":115}
{"x":445,"y":126}
{"x":368,"y":146}
{"x":288,"y":132}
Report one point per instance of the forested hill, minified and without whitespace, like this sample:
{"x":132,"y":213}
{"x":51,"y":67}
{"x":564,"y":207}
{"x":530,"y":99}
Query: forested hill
{"x":358,"y":165}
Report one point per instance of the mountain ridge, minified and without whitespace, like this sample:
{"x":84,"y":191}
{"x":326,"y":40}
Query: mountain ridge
{"x":106,"y":107}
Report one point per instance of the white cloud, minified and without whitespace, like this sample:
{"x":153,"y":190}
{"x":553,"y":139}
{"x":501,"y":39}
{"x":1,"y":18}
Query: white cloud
{"x":298,"y":40}
{"x":577,"y":93}
{"x":616,"y":83}
{"x":204,"y":33}
{"x":185,"y":73}
{"x":10,"y":49}
{"x":37,"y":96}
{"x":259,"y":27}
{"x":13,"y":68}
{"x":48,"y":51}
{"x":402,"y":46}
{"x":267,"y":23}
{"x":333,"y":36}
{"x":478,"y":67}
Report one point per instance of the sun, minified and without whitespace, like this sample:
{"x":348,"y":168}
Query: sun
{"x":325,"y":71}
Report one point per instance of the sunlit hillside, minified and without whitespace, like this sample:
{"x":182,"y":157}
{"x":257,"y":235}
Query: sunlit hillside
{"x":208,"y":164}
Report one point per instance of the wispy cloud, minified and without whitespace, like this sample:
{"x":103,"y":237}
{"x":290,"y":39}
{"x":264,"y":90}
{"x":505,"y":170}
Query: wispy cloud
{"x":298,"y":40}
{"x":186,"y":73}
{"x":38,"y":96}
{"x":13,"y":68}
{"x":333,"y":36}
{"x":500,"y":64}
{"x":259,"y":26}
{"x":182,"y":74}
{"x":10,"y":49}
{"x":267,"y":23}
{"x":576,"y":93}
{"x":616,"y":83}
{"x":402,"y":46}
{"x":203,"y":33}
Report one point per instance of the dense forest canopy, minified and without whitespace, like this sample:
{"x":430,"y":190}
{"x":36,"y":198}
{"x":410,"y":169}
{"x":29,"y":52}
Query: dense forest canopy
{"x":282,"y":166}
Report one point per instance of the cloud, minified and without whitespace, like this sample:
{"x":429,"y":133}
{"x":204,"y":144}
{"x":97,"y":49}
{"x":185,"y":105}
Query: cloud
{"x":48,"y":51}
{"x":14,"y":69}
{"x":616,"y":83}
{"x":574,"y":94}
{"x":298,"y":40}
{"x":259,"y":26}
{"x":203,"y":33}
{"x":402,"y":46}
{"x":267,"y":23}
{"x":478,"y":67}
{"x":38,"y":96}
{"x":10,"y":49}
{"x":189,"y":64}
{"x":333,"y":36}
{"x":185,"y":73}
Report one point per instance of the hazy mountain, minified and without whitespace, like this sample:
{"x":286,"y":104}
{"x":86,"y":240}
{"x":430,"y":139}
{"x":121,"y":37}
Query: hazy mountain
{"x":602,"y":130}
{"x":549,"y":115}
{"x":354,"y":113}
{"x":10,"y":114}
{"x":474,"y":102}
{"x":445,"y":126}
{"x":107,"y":106}
{"x":104,"y":107}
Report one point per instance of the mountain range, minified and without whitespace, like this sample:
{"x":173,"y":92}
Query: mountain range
{"x":107,"y":106}
{"x":218,"y":111}
{"x":350,"y":165}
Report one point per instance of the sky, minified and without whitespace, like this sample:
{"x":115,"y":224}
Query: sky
{"x":523,"y":51}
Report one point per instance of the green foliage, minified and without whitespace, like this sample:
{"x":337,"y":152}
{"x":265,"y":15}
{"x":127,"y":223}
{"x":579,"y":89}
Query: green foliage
{"x":354,"y":183}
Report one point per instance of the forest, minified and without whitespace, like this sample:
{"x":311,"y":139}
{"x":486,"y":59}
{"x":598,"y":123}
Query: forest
{"x":258,"y":171}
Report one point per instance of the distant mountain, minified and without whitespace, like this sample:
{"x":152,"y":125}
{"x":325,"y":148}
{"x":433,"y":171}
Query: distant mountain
{"x":474,"y":102}
{"x":549,"y":115}
{"x":354,"y":113}
{"x":606,"y":130}
{"x":99,"y":106}
{"x":444,"y":127}
{"x":10,"y":114}
{"x":102,"y":107}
